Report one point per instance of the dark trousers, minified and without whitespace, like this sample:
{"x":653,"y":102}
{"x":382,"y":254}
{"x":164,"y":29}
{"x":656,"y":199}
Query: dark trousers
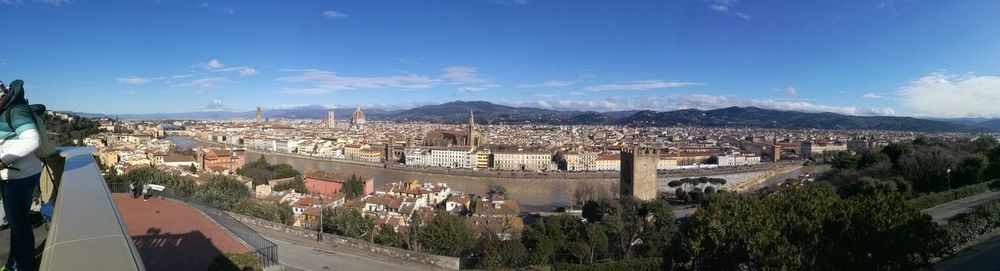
{"x":17,"y":194}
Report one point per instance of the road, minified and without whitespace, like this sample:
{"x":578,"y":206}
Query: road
{"x":943,"y":212}
{"x":984,"y":256}
{"x":298,"y":253}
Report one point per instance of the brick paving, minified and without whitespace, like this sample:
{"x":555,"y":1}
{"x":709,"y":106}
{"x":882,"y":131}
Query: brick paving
{"x":171,"y":235}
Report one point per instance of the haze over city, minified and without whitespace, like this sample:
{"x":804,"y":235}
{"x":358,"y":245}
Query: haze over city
{"x":908,"y":58}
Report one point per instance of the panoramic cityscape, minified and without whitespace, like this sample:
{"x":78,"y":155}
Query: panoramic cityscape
{"x":500,"y":135}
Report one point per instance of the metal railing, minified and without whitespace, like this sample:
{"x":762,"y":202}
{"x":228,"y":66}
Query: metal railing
{"x":265,"y":250}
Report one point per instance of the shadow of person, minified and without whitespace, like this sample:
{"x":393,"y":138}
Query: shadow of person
{"x":168,"y":251}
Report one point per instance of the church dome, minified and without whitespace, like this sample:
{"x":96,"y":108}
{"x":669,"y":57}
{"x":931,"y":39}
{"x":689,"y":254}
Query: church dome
{"x":358,"y":116}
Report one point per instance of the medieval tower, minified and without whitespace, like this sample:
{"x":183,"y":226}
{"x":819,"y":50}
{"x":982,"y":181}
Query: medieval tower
{"x":638,"y":172}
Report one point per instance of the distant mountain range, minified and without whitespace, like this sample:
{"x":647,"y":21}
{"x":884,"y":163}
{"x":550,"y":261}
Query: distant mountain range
{"x":490,"y":113}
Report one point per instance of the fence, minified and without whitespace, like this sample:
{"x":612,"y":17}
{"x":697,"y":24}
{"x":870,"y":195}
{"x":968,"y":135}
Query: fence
{"x":266,"y":251}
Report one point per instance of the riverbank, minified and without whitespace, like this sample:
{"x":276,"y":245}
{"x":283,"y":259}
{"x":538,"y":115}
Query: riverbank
{"x":572,"y":175}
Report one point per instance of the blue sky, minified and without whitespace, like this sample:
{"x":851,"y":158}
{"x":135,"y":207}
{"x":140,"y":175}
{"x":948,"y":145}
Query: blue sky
{"x":910,"y":58}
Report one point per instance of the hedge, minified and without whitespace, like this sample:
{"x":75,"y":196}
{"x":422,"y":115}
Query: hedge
{"x":966,"y":228}
{"x":934,"y":199}
{"x":641,"y":264}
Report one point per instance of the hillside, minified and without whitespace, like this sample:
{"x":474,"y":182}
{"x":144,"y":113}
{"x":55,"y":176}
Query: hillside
{"x":767,"y":118}
{"x":490,"y":113}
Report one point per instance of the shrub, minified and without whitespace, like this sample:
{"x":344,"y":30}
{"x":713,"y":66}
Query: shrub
{"x":641,"y":264}
{"x":933,"y":199}
{"x":235,"y":261}
{"x":994,"y":185}
{"x":964,"y":229}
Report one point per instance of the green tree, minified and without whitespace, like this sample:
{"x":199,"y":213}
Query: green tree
{"x":971,"y":170}
{"x":927,"y":168}
{"x":267,"y":210}
{"x":387,"y":236}
{"x":497,"y":255}
{"x":496,"y":189}
{"x":222,"y":192}
{"x":446,"y":234}
{"x":354,"y":187}
{"x":985,"y":143}
{"x":297,"y":183}
{"x":896,"y":151}
{"x":810,"y":228}
{"x":347,"y":222}
{"x":844,"y":160}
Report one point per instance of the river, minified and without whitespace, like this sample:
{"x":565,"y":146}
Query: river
{"x":533,"y":194}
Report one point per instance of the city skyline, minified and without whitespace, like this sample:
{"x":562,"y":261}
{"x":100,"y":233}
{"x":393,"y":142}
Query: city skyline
{"x":908,"y":58}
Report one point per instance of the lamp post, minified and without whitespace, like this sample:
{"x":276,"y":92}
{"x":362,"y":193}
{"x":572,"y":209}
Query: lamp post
{"x":319,"y":230}
{"x":949,"y":178}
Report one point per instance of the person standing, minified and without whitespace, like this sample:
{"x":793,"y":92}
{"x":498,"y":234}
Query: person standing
{"x":20,"y":170}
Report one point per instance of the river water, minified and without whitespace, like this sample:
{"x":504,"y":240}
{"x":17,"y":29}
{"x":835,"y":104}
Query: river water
{"x":533,"y":194}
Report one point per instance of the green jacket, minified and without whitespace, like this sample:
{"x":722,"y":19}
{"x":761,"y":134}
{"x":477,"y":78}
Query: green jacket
{"x":15,"y":108}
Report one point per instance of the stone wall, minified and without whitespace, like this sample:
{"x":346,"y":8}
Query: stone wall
{"x":450,"y":263}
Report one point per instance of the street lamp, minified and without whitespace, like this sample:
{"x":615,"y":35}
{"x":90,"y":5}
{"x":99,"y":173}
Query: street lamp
{"x":949,"y":178}
{"x":319,"y":230}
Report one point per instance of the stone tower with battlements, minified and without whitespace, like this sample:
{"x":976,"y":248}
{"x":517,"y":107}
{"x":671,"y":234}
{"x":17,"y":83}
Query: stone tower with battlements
{"x":638,"y":172}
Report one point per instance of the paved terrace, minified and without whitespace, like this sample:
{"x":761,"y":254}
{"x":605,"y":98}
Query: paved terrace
{"x":171,"y":235}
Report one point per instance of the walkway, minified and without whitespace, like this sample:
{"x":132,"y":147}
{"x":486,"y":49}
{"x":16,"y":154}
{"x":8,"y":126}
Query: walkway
{"x":942,"y":213}
{"x":171,"y":235}
{"x":299,"y":253}
{"x":983,"y":256}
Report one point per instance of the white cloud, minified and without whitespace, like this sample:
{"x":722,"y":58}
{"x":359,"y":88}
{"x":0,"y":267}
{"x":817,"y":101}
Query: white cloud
{"x":871,"y":95}
{"x":246,"y":71}
{"x":218,"y":8}
{"x":548,"y":84}
{"x":874,"y":111}
{"x":466,"y":78}
{"x":329,"y":14}
{"x":459,"y":74}
{"x":726,"y":6}
{"x":685,"y":101}
{"x":50,"y":2}
{"x":332,"y":81}
{"x":216,"y":104}
{"x":205,"y":83}
{"x":55,"y":2}
{"x":718,"y":7}
{"x":951,"y":95}
{"x":134,"y":80}
{"x":470,"y":89}
{"x":214,"y":64}
{"x":791,"y":91}
{"x":640,"y":85}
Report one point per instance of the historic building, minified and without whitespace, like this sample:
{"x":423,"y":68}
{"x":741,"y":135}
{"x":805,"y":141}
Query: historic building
{"x":259,"y":113}
{"x":473,"y":137}
{"x":358,"y":117}
{"x":638,"y":172}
